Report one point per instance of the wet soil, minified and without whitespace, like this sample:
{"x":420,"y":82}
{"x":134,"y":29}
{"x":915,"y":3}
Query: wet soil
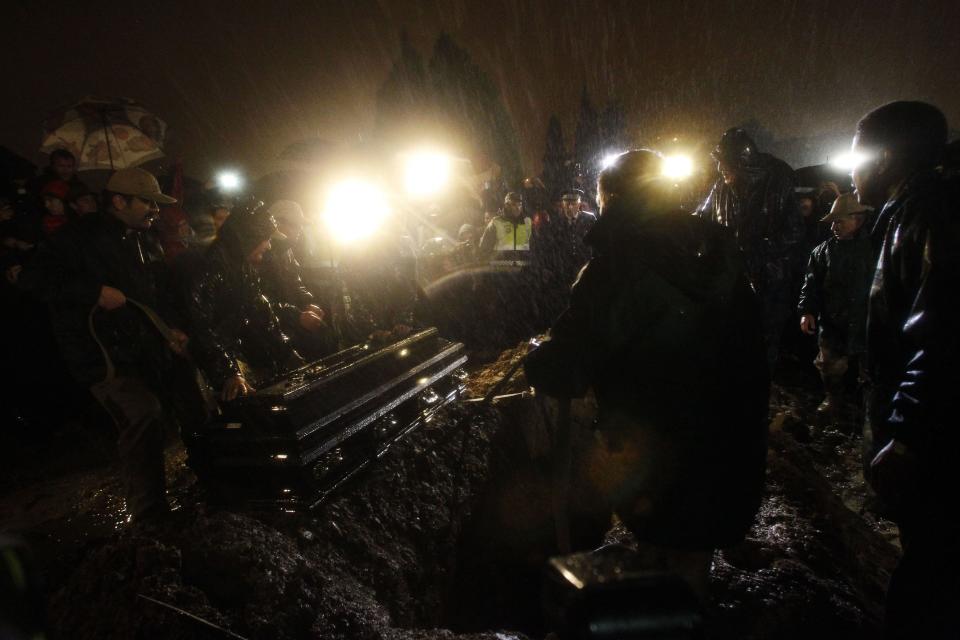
{"x":400,"y":552}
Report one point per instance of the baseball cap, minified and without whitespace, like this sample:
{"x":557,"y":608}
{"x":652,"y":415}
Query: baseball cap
{"x":138,"y":182}
{"x":845,"y":206}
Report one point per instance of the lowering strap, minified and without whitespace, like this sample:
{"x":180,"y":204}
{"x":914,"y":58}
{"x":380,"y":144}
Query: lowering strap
{"x":155,"y":319}
{"x":166,"y":332}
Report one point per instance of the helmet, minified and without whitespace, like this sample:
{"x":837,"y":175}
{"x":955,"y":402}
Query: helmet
{"x":736,"y":148}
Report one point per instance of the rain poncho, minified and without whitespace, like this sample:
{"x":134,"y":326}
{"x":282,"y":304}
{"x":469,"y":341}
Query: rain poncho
{"x":230,"y":319}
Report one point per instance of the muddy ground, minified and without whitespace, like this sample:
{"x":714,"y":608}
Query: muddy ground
{"x":388,"y":558}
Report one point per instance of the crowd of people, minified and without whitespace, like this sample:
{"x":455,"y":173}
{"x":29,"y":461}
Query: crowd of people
{"x":676,"y":325}
{"x":676,"y":321}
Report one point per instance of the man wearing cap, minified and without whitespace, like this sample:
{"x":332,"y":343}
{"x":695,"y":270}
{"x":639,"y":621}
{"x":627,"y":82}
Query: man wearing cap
{"x":509,"y":244}
{"x":280,"y":274}
{"x":507,"y":239}
{"x":565,"y":251}
{"x":571,"y":229}
{"x":754,"y":197}
{"x":237,"y":339}
{"x":834,"y":296}
{"x":102,"y":276}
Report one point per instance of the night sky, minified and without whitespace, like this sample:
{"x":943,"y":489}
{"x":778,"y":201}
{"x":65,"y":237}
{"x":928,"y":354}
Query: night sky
{"x":238,"y":81}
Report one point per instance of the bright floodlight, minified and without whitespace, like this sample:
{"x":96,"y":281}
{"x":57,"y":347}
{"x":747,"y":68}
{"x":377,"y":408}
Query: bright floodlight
{"x":609,"y":159}
{"x":426,"y":173}
{"x":229,"y":180}
{"x":677,"y":167}
{"x":354,"y":210}
{"x":849,"y":160}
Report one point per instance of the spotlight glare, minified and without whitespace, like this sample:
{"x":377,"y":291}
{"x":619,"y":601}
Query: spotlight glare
{"x":849,"y":160}
{"x":677,"y":167}
{"x":354,"y":210}
{"x":229,"y":180}
{"x":609,"y":159}
{"x":427,"y":173}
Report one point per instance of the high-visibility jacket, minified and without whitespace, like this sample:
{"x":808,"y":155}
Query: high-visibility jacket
{"x":512,"y":241}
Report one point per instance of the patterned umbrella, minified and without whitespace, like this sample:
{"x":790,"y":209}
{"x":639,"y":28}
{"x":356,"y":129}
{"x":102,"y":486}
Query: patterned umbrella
{"x":105,"y":133}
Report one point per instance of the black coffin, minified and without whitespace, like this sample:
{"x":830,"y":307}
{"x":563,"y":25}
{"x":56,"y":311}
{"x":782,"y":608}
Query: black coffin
{"x":297,"y":440}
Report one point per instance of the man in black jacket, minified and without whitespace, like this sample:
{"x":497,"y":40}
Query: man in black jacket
{"x":755,"y":198}
{"x":661,"y":313}
{"x":833,"y":300}
{"x":300,"y":317}
{"x":564,"y":252}
{"x":102,"y":277}
{"x":912,"y":359}
{"x":236,"y":334}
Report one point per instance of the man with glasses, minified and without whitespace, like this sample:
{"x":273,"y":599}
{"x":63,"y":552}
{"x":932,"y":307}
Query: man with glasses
{"x":103,"y":278}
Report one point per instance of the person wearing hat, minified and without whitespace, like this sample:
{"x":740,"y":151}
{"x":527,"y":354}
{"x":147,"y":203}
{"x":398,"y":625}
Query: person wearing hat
{"x":97,"y":276}
{"x":573,"y":227}
{"x":564,"y":251}
{"x":281,"y":277}
{"x":506,"y":240}
{"x":833,"y":299}
{"x":754,"y":197}
{"x":509,"y":244}
{"x":237,"y":339}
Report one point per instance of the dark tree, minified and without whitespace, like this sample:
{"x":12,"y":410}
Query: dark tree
{"x":586,"y":146}
{"x":554,"y":159}
{"x":470,"y":107}
{"x":405,"y":99}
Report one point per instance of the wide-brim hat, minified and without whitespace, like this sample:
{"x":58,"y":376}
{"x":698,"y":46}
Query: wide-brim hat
{"x":140,"y":183}
{"x":844,"y":207}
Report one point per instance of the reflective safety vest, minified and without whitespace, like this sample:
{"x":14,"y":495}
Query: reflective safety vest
{"x":513,"y":242}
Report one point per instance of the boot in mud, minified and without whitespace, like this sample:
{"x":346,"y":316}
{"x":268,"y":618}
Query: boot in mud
{"x":828,"y":413}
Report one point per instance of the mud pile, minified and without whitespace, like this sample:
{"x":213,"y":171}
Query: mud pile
{"x":372,"y":563}
{"x":399,"y":553}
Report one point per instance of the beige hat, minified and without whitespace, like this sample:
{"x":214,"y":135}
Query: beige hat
{"x":844,"y":207}
{"x":139,"y":183}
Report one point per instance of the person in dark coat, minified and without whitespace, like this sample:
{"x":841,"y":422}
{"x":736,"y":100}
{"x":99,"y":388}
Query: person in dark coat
{"x":755,"y":198}
{"x":912,"y":354}
{"x":97,"y":274}
{"x":237,"y":340}
{"x":661,"y":313}
{"x":568,"y":236}
{"x":833,"y":300}
{"x":380,"y":294}
{"x":564,"y":252}
{"x":280,"y":274}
